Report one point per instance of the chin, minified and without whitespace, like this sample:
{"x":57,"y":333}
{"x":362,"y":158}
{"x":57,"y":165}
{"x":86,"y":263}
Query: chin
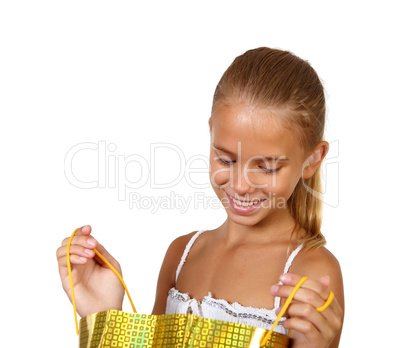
{"x":243,"y":220}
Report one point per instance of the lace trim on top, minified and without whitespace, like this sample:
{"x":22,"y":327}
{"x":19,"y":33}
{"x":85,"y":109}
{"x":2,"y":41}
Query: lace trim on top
{"x":235,"y":309}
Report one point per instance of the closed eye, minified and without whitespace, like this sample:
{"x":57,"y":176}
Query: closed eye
{"x":265,"y":170}
{"x":226,"y":163}
{"x":269,"y":171}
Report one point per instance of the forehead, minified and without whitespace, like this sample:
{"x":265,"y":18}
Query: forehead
{"x":259,"y":131}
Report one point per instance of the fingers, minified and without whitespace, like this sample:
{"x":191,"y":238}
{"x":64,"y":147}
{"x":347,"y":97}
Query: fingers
{"x":317,"y":327}
{"x":326,"y":322}
{"x":312,"y":335}
{"x":311,"y":292}
{"x":84,"y":230}
{"x":81,"y":236}
{"x":78,"y":254}
{"x":81,"y":248}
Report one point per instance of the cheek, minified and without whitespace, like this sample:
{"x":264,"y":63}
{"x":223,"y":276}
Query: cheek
{"x":260,"y":180}
{"x":219,"y":175}
{"x":282,"y":184}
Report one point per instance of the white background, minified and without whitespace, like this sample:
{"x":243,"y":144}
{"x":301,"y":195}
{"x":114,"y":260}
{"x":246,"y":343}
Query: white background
{"x":132,"y":74}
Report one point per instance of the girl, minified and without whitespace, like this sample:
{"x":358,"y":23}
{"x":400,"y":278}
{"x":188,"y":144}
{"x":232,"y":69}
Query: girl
{"x":266,"y":131}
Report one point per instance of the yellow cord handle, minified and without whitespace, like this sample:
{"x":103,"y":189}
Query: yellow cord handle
{"x":71,"y":279}
{"x":327,"y":303}
{"x":282,"y":312}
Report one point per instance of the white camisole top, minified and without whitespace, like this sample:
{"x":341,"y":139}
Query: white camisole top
{"x":220,"y":309}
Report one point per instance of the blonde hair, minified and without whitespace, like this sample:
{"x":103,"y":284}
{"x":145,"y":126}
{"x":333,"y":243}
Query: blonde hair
{"x":279,"y":80}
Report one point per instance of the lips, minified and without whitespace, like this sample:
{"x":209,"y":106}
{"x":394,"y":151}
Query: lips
{"x":245,"y":203}
{"x":244,"y":207}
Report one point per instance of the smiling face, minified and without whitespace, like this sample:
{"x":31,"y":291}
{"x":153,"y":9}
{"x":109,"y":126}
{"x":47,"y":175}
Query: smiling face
{"x":255,"y":163}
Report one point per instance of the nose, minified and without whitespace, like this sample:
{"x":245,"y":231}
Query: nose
{"x":241,"y":182}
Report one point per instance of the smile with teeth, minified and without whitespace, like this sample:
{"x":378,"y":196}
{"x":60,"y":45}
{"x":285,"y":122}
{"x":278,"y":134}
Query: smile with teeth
{"x":245,"y":204}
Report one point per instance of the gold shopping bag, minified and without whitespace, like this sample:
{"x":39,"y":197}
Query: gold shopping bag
{"x":114,"y":328}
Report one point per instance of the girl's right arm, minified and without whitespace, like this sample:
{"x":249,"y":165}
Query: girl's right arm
{"x":96,"y":287}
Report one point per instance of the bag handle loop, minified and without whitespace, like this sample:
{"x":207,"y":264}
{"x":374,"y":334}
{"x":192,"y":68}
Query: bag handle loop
{"x":71,"y":279}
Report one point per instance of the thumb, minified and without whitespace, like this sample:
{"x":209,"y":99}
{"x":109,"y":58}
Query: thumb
{"x":325,"y":281}
{"x":84,"y":230}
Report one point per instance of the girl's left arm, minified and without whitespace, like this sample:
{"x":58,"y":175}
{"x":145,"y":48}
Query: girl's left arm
{"x":310,"y":327}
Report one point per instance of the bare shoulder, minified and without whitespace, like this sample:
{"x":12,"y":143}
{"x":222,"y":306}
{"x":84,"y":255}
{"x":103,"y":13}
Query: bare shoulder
{"x":176,"y":248}
{"x":317,"y":263}
{"x":175,"y":251}
{"x":184,"y":239}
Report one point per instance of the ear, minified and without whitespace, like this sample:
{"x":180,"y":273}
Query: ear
{"x":210,"y":125}
{"x":314,"y":160}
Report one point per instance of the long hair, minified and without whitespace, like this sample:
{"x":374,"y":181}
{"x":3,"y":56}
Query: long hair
{"x":280,"y":80}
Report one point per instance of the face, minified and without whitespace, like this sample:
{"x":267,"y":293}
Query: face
{"x":255,"y":163}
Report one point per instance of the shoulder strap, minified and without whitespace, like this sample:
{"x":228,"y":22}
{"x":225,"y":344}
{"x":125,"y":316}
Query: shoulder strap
{"x":286,"y":270}
{"x":186,"y":251}
{"x":291,"y":258}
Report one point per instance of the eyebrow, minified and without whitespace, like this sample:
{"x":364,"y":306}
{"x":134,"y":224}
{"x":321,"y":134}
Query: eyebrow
{"x":281,"y":158}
